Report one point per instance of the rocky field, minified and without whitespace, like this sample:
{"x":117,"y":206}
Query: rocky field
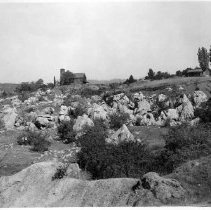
{"x":98,"y":145}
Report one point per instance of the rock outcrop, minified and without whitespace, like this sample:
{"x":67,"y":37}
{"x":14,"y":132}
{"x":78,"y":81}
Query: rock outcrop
{"x":121,"y":135}
{"x":34,"y":187}
{"x":9,"y":117}
{"x":81,"y":122}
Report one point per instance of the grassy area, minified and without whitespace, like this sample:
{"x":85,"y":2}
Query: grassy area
{"x":159,"y":86}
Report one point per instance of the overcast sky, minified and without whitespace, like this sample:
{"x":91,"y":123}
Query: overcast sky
{"x":104,"y":40}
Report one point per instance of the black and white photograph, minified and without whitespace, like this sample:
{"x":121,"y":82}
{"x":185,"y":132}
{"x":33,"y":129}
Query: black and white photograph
{"x":105,"y":103}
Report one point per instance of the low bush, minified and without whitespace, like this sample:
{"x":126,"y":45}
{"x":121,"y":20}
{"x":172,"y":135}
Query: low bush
{"x":103,"y":160}
{"x":37,"y":140}
{"x":65,"y":131}
{"x":78,"y":111}
{"x":184,"y":143}
{"x":129,"y":159}
{"x":95,"y":134}
{"x":24,"y":95}
{"x":204,"y":112}
{"x":118,"y":119}
{"x":60,"y":173}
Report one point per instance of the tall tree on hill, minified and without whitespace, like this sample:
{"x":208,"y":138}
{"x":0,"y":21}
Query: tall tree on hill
{"x":54,"y":81}
{"x":67,"y":78}
{"x":203,"y":58}
{"x":151,"y":74}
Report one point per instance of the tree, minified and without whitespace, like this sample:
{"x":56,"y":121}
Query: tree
{"x":151,"y":75}
{"x":131,"y":79}
{"x":67,"y":78}
{"x":179,"y":73}
{"x":54,"y":81}
{"x":203,"y":58}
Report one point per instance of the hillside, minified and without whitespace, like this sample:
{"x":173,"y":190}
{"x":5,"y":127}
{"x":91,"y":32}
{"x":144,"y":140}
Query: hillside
{"x":8,"y":87}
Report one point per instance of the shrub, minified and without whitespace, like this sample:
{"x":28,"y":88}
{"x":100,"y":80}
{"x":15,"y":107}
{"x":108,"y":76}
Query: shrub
{"x":37,"y":140}
{"x":22,"y":96}
{"x":204,"y":113}
{"x":184,"y":143}
{"x":129,"y":159}
{"x":118,"y":119}
{"x":88,"y":92}
{"x":78,"y":111}
{"x":65,"y":131}
{"x":95,"y":134}
{"x":60,"y":173}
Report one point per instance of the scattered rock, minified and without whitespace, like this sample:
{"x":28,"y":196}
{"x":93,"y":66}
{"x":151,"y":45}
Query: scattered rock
{"x":166,"y":190}
{"x":121,"y":135}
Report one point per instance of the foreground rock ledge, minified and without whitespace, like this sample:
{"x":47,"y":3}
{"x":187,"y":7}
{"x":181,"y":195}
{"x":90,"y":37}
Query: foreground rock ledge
{"x":33,"y":187}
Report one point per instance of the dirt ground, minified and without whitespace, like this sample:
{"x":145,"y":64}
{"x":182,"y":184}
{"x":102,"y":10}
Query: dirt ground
{"x":14,"y":157}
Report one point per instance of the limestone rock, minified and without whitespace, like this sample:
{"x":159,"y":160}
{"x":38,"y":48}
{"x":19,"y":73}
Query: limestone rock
{"x":199,"y":97}
{"x":185,"y":110}
{"x":121,"y":135}
{"x":143,"y":107}
{"x":9,"y":117}
{"x":145,"y":119}
{"x":81,"y":122}
{"x":166,"y":190}
{"x":97,"y":111}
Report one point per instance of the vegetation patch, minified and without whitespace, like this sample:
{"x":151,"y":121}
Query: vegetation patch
{"x":37,"y":140}
{"x":65,"y":131}
{"x":118,"y":119}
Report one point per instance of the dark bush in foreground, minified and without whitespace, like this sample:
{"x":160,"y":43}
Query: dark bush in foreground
{"x":184,"y":143}
{"x":118,"y":119}
{"x":37,"y":140}
{"x":112,"y":161}
{"x":103,"y":160}
{"x":204,"y":113}
{"x":65,"y":131}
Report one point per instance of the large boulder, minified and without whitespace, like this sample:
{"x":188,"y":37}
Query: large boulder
{"x":143,"y":107}
{"x":121,"y":135}
{"x":97,"y":111}
{"x":45,"y":121}
{"x":49,"y":110}
{"x":164,"y":189}
{"x":34,"y":187}
{"x":145,"y":119}
{"x":63,"y":110}
{"x":138,"y":96}
{"x":9,"y":117}
{"x":120,"y":100}
{"x":81,"y":122}
{"x":162,"y":98}
{"x":185,"y":110}
{"x":199,"y":97}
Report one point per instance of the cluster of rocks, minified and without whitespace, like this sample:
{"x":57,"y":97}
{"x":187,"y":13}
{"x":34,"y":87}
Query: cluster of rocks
{"x":157,"y":110}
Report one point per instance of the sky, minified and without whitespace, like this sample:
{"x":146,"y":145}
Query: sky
{"x":105,"y":40}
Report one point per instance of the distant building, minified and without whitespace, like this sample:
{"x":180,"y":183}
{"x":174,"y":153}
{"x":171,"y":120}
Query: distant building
{"x":77,"y":78}
{"x":198,"y":72}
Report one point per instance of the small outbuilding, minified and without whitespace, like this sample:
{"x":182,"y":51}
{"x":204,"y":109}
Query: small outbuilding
{"x":197,"y":72}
